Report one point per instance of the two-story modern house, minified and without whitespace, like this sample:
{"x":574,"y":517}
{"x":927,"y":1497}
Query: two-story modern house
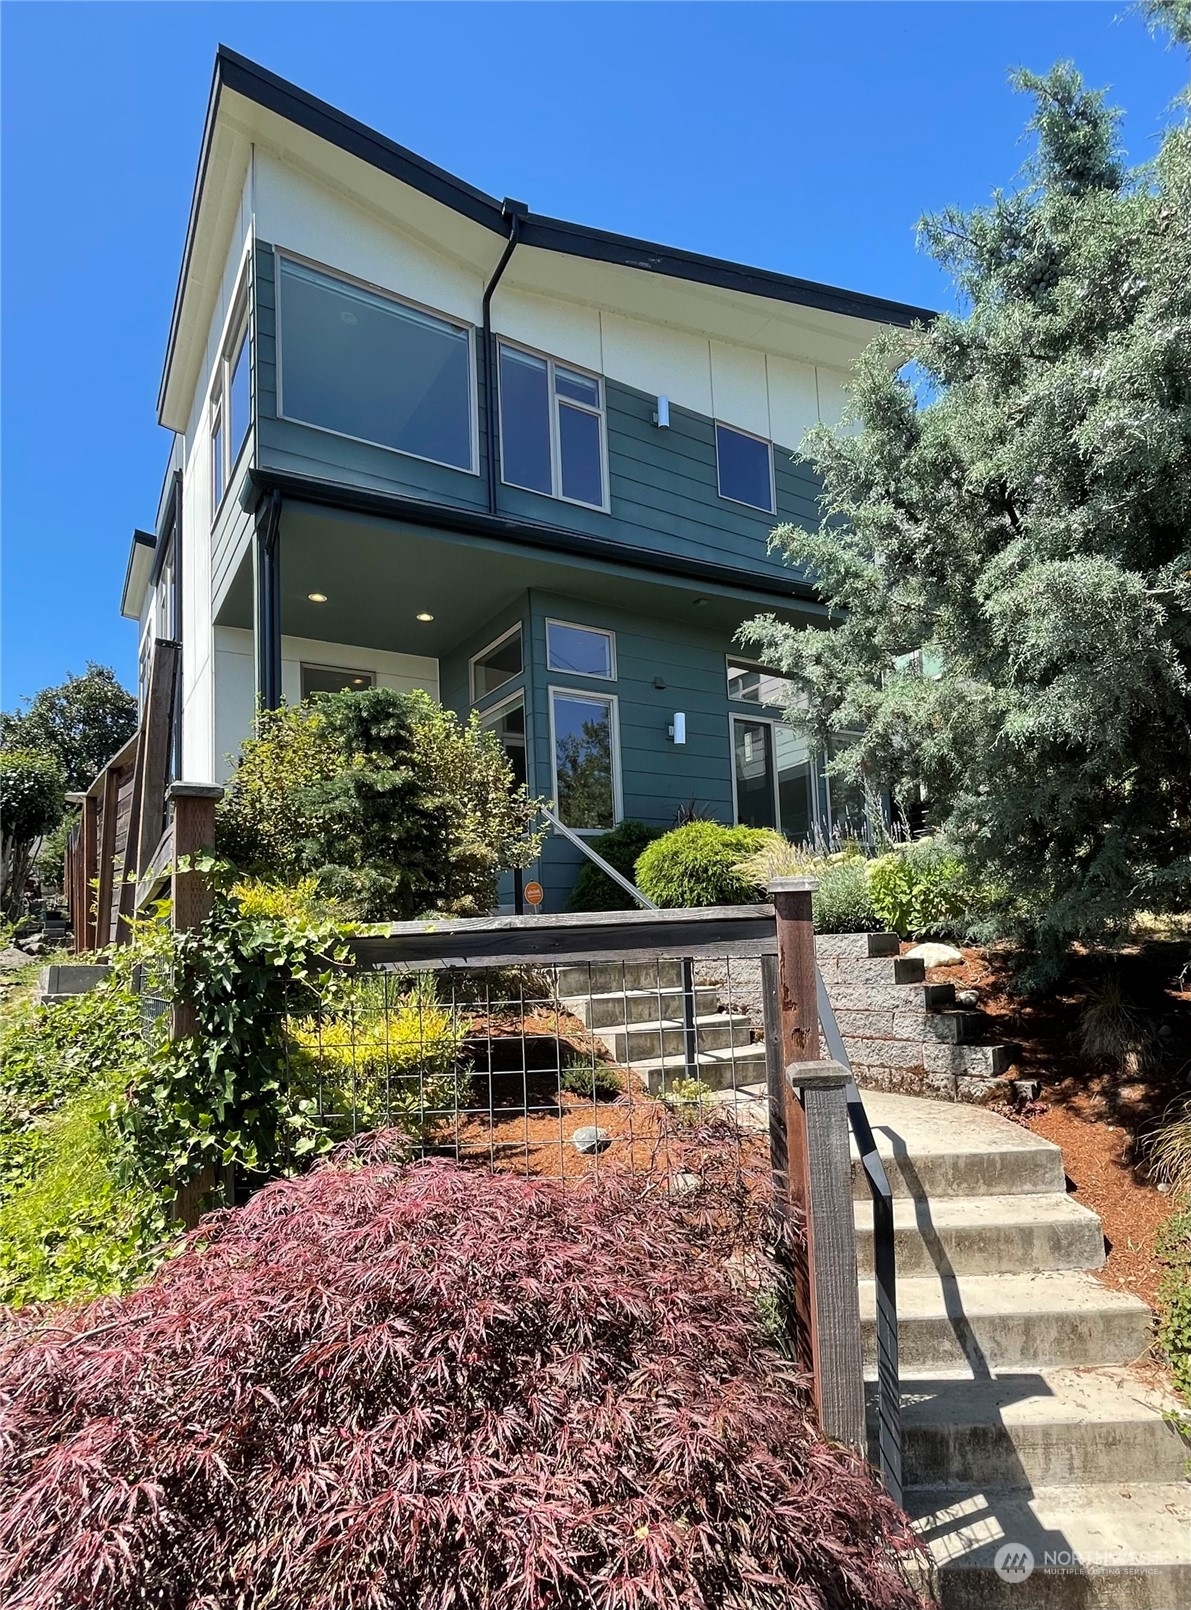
{"x":425,"y":438}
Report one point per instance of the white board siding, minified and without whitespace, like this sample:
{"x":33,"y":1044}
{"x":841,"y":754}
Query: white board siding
{"x":563,"y":329}
{"x":739,"y":391}
{"x":235,"y":680}
{"x":297,"y":213}
{"x":833,"y":394}
{"x":793,"y":399}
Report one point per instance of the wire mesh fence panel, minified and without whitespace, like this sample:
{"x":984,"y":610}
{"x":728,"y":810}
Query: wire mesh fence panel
{"x":558,"y":1070}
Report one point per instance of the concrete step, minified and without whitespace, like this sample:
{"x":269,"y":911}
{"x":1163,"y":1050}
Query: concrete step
{"x":933,"y":1055}
{"x":1009,"y":1322}
{"x":845,"y":947}
{"x":1028,"y":1429}
{"x":857,"y":971}
{"x":616,"y":1007}
{"x":938,"y":1149}
{"x":847,"y":997}
{"x":595,"y":978}
{"x":1114,"y":1546}
{"x":986,"y":1235}
{"x":914,"y":1024}
{"x":639,"y":1042}
{"x":725,"y":1070}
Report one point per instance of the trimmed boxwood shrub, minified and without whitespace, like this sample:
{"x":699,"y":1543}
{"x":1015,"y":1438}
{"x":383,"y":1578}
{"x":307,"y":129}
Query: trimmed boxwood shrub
{"x":699,"y":865}
{"x":429,"y":1387}
{"x":594,"y":890}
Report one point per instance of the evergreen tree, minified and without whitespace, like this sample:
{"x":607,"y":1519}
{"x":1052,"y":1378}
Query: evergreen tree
{"x":1012,"y":493}
{"x":82,"y":723}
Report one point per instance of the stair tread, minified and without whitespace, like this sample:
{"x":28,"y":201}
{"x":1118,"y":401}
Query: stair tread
{"x":648,"y":1025}
{"x":1098,"y":1524}
{"x":728,"y":1054}
{"x":1106,"y":1395}
{"x":902,"y":1128}
{"x":978,"y":1212}
{"x":1064,"y":1292}
{"x":634,"y":994}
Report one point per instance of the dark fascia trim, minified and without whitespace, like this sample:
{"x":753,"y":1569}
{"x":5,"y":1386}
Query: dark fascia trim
{"x":247,"y":78}
{"x":140,"y":539}
{"x":523,"y":533}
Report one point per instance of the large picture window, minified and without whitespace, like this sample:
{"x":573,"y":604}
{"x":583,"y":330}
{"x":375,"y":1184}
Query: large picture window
{"x":551,"y":428}
{"x":584,"y":743}
{"x":582,"y":650}
{"x":334,"y":679}
{"x":365,"y":365}
{"x":774,"y":778}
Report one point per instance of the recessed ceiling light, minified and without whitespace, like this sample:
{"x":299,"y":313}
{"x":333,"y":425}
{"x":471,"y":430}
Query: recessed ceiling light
{"x":699,"y":603}
{"x":425,"y":615}
{"x":357,"y":681}
{"x":317,"y":598}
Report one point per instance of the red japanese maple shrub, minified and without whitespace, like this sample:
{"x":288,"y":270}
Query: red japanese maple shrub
{"x":387,"y":1386}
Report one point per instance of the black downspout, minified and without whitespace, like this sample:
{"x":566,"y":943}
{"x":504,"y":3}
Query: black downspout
{"x":514,"y":211}
{"x":268,"y":602}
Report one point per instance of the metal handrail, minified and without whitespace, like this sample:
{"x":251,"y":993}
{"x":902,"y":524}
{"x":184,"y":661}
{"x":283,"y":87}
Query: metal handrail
{"x":595,"y":857}
{"x":889,"y":1410}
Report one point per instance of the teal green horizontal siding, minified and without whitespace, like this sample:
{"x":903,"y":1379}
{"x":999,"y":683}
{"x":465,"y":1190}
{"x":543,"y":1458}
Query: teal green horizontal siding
{"x":662,"y":483}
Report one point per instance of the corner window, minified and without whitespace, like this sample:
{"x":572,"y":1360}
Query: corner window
{"x":583,"y":741}
{"x":773,"y":778}
{"x":507,"y":722}
{"x":239,"y":395}
{"x":551,"y":428}
{"x":744,"y":465}
{"x":582,"y":650}
{"x":497,"y":664}
{"x":365,"y":365}
{"x":334,"y":679}
{"x":218,"y":467}
{"x":231,"y":401}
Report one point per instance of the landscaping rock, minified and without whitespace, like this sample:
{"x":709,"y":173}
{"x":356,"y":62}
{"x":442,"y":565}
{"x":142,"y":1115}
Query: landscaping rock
{"x":932,"y":954}
{"x":969,"y":999}
{"x":12,"y":958}
{"x":591,"y":1139}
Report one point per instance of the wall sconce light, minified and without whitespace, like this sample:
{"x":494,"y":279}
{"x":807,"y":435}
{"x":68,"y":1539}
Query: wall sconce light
{"x":678,"y":728}
{"x":662,"y":417}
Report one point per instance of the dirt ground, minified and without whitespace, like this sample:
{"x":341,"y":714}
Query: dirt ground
{"x":1101,"y":1110}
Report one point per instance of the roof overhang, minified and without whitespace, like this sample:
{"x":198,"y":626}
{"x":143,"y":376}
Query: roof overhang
{"x":137,"y":574}
{"x":250,"y":105}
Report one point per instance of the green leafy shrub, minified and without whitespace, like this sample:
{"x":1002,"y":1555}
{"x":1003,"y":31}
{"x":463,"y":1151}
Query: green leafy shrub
{"x":597,"y":1082}
{"x":699,"y":865}
{"x":923,"y":889}
{"x":594,"y":890}
{"x":843,"y":902}
{"x":393,"y":804}
{"x":1174,"y":1298}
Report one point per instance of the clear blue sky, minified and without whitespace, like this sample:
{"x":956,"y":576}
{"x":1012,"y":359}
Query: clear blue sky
{"x":805,"y":137}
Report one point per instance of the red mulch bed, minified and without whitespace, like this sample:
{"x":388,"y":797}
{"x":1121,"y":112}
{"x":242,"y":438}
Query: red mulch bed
{"x":1099,"y":1115}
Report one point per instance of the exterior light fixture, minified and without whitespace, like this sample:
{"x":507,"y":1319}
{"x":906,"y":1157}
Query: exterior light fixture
{"x":662,"y":417}
{"x":317,"y":598}
{"x":678,"y":727}
{"x":425,"y":615}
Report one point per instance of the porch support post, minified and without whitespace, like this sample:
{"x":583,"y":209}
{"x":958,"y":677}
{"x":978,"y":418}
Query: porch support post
{"x":266,"y":578}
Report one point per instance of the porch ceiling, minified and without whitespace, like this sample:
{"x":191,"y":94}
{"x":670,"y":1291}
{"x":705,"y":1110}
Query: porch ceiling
{"x":379,"y":575}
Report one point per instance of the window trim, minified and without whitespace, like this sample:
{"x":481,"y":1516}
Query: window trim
{"x":338,"y":670}
{"x":600,"y":413}
{"x":216,"y":431}
{"x":582,"y":626}
{"x":613,"y":701}
{"x":473,"y":697}
{"x":237,"y":327}
{"x":771,"y":511}
{"x":283,"y":253}
{"x":813,"y":761}
{"x":494,"y":712}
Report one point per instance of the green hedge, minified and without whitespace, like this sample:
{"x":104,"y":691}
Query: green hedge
{"x":699,"y":865}
{"x":594,"y":890}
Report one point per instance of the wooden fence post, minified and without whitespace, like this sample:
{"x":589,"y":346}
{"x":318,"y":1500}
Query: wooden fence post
{"x":826,"y":1318}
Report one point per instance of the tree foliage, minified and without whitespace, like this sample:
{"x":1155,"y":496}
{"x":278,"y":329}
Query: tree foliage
{"x":392,"y":803}
{"x":427,"y":1387}
{"x":1012,"y":493}
{"x":32,"y":800}
{"x":82,"y":722}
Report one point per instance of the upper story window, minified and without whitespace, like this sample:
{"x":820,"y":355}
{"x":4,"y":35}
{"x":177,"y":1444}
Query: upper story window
{"x":231,"y":401}
{"x":334,"y":679}
{"x":752,"y":684}
{"x":551,"y":428}
{"x":363,"y":364}
{"x":744,"y":465}
{"x":497,"y":664}
{"x":583,"y":650}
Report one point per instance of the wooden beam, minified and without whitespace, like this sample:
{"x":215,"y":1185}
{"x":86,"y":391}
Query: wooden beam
{"x":90,"y":854}
{"x":154,"y":717}
{"x":158,"y":734}
{"x":105,"y":854}
{"x":569,"y":938}
{"x":157,"y":871}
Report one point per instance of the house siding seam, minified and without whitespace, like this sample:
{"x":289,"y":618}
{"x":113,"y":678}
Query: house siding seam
{"x":663,"y":485}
